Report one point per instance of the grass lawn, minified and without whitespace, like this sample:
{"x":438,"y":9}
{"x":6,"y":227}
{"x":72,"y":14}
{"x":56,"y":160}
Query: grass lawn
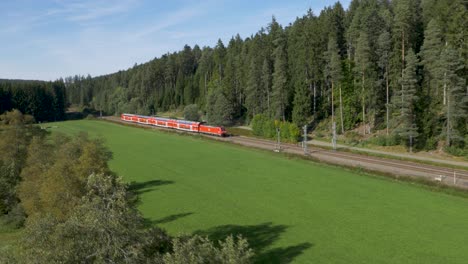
{"x":289,"y":209}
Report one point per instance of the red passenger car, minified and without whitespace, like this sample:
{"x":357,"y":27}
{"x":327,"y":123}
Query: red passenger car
{"x":185,"y":125}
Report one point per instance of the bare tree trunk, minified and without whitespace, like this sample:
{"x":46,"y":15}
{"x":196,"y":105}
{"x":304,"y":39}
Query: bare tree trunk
{"x":387,"y":105}
{"x":445,"y":83}
{"x":363,"y":104}
{"x":448,"y":122}
{"x":268,"y":101}
{"x":315,"y":96}
{"x":332,"y":103}
{"x":445,"y":88}
{"x":341,"y":112}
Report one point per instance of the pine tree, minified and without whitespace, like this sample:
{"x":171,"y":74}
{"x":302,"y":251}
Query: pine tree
{"x":363,"y":69}
{"x":430,"y":54}
{"x":253,"y":90}
{"x":266,"y":84}
{"x":433,"y":95}
{"x":457,"y":98}
{"x":301,"y":105}
{"x":384,"y":49}
{"x":279,"y":88}
{"x":406,"y":99}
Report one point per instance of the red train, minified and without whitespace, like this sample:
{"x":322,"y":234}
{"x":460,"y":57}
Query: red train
{"x":185,"y":125}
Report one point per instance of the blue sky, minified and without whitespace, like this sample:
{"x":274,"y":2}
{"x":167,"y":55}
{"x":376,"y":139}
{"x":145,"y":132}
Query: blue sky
{"x":46,"y":40}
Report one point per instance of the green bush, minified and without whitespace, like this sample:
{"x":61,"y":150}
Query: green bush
{"x":352,"y":137}
{"x":456,"y":151}
{"x":265,"y":127}
{"x":284,"y":130}
{"x":269,"y":129}
{"x":393,"y":140}
{"x":378,"y":140}
{"x":257,"y":125}
{"x":294,"y":132}
{"x":431,"y":144}
{"x":199,"y":249}
{"x":191,"y":112}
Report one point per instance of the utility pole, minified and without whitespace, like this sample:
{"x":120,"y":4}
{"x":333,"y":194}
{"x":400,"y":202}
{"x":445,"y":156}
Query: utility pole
{"x":278,"y":140}
{"x":304,"y":143}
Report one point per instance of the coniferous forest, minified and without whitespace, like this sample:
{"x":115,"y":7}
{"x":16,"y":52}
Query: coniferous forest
{"x":398,"y":67}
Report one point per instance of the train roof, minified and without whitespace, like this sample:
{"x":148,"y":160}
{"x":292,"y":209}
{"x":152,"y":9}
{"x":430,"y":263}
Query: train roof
{"x":185,"y":122}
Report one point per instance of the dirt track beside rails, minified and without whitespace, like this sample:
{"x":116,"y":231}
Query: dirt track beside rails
{"x":388,"y":166}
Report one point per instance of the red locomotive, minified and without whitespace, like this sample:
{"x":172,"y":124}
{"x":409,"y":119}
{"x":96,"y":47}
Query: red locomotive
{"x":197,"y":127}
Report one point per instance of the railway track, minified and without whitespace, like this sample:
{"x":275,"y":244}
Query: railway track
{"x":430,"y":169}
{"x":397,"y":167}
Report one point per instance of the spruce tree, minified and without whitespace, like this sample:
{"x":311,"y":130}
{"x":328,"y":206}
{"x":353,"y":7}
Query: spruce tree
{"x":430,"y":54}
{"x":405,"y":100}
{"x":301,"y":105}
{"x":363,"y":69}
{"x":279,"y":89}
{"x":266,"y":84}
{"x":434,"y":93}
{"x":457,"y":99}
{"x":384,"y":49}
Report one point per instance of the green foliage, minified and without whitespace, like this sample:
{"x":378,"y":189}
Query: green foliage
{"x":103,"y":228}
{"x":43,"y":186}
{"x":45,"y":101}
{"x":16,"y":132}
{"x":265,"y":127}
{"x":456,"y":151}
{"x":257,"y":124}
{"x":200,"y":250}
{"x":431,"y":144}
{"x":191,"y":112}
{"x":301,"y":105}
{"x":220,"y":112}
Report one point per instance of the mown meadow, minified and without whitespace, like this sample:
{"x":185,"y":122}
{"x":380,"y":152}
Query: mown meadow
{"x":290,"y":210}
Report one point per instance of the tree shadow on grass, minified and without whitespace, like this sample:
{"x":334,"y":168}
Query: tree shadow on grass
{"x":260,"y":237}
{"x":167,"y":219}
{"x":147,"y":186}
{"x":170,"y":218}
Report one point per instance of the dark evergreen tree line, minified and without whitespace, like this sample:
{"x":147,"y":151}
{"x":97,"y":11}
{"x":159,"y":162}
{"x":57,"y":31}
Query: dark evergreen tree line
{"x":397,"y":66}
{"x":46,"y":101}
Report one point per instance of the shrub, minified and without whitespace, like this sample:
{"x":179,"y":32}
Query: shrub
{"x":284,"y":128}
{"x":265,"y":127}
{"x":294,"y":132}
{"x":199,"y":249}
{"x":191,"y":112}
{"x":431,"y":144}
{"x":378,"y":140}
{"x":269,"y":129}
{"x":393,"y":140}
{"x":257,"y":125}
{"x":456,"y":151}
{"x":352,"y":137}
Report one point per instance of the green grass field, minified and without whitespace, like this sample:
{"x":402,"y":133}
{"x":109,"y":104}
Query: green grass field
{"x":289,"y":209}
